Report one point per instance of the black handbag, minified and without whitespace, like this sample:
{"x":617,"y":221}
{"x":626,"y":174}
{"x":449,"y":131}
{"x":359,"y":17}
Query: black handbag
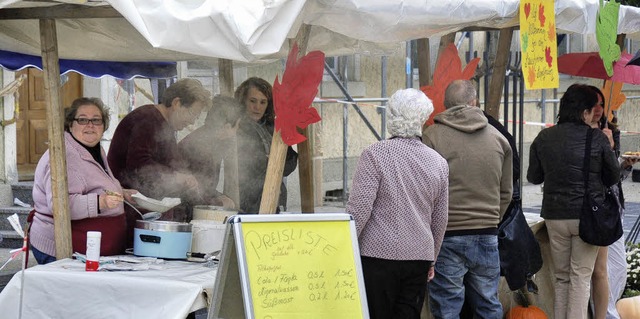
{"x":520,"y":256}
{"x":600,"y":222}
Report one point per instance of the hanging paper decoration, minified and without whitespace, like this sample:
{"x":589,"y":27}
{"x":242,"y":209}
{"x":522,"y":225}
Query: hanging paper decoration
{"x":538,"y":44}
{"x":614,"y":98}
{"x":448,"y":69}
{"x":606,"y":34}
{"x":293,"y":97}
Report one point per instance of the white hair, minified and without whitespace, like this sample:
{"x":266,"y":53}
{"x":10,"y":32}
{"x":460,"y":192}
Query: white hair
{"x":408,"y":109}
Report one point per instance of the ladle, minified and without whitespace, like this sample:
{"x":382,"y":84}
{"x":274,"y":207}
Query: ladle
{"x":150,"y":216}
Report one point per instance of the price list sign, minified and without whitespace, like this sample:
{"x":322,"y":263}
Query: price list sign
{"x":302,"y":269}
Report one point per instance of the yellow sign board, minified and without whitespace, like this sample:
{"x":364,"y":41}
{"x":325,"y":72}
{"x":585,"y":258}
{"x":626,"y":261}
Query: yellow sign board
{"x":538,"y":44}
{"x":290,"y":266}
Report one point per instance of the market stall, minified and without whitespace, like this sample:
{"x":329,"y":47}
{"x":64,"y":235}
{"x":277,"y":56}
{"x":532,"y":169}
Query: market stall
{"x":63,"y":289}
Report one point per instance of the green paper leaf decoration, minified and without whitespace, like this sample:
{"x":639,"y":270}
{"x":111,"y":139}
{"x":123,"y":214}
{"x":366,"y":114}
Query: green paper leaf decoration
{"x":606,"y":33}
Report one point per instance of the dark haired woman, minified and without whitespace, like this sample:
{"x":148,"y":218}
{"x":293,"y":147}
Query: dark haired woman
{"x":556,"y":158}
{"x":254,"y":144}
{"x":610,"y":272}
{"x":88,"y":177}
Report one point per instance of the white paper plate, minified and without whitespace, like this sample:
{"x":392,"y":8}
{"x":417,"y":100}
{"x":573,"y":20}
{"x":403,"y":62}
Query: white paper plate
{"x":155,"y":205}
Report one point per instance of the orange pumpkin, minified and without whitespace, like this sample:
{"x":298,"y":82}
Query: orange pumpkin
{"x":522,"y":312}
{"x":629,"y":308}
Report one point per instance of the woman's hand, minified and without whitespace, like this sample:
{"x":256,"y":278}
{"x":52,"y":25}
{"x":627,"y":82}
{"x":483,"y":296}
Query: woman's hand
{"x":609,"y":135}
{"x":127,"y":194}
{"x":628,"y":162}
{"x":431,"y":273}
{"x":109,"y":200}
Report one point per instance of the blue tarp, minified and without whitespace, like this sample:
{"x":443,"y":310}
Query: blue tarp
{"x":122,"y":70}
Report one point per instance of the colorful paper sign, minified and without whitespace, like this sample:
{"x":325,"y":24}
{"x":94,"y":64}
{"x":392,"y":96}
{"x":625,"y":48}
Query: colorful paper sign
{"x":607,"y":33}
{"x":538,"y":44}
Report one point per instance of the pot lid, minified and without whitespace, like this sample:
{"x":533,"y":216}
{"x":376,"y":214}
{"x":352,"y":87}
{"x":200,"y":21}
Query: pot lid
{"x":162,"y":225}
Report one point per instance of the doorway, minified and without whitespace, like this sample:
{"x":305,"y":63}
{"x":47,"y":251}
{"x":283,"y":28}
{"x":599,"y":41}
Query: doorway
{"x":31,"y":126}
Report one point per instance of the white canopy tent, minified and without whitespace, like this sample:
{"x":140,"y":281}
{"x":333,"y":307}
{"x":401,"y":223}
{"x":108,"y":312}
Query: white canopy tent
{"x":247,"y":31}
{"x":254,"y":30}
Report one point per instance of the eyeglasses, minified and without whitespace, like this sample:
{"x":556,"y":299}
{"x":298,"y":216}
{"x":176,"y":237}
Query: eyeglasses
{"x":85,"y":121}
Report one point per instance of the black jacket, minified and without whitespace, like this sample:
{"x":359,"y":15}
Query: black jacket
{"x":556,"y":158}
{"x":254,"y":144}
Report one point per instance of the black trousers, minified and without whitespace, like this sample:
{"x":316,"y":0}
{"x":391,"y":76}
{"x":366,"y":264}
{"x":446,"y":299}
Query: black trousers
{"x":395,"y":288}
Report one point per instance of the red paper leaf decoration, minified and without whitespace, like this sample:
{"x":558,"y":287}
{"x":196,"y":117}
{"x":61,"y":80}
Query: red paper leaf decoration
{"x":293,"y":97}
{"x":448,"y":69}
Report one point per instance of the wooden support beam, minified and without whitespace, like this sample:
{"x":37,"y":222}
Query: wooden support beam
{"x":231,"y":186}
{"x":492,"y":103}
{"x":424,"y":62}
{"x":61,"y":11}
{"x":445,"y":40}
{"x":620,"y":41}
{"x":278,"y":152}
{"x":57,"y":153}
{"x":225,"y":75}
{"x":306,"y":165}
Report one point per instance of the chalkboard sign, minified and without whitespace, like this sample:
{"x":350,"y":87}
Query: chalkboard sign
{"x":290,"y":266}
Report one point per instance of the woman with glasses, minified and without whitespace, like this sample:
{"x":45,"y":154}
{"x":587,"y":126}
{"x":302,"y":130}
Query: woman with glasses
{"x":144,"y":151}
{"x":95,"y":195}
{"x":255,"y":132}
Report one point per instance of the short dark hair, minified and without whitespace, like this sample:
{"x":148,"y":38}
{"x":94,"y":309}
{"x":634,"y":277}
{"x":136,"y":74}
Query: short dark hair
{"x":265,"y":88}
{"x":577,"y":99}
{"x":459,"y":92}
{"x":225,"y":110}
{"x":70,"y":112}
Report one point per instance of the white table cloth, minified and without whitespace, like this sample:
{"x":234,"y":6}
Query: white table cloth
{"x":63,"y":289}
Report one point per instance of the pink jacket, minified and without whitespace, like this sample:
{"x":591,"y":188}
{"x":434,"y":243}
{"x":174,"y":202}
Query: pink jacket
{"x":86,"y":180}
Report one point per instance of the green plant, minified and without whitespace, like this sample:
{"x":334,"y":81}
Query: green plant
{"x":632,"y":287}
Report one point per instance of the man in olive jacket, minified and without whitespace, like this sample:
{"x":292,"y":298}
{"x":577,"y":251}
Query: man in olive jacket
{"x":480,"y":188}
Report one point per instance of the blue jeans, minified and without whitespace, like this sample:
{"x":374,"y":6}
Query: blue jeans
{"x":467,"y":262}
{"x":41,"y":257}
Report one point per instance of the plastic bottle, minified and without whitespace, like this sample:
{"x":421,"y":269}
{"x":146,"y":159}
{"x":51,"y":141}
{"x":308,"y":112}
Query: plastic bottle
{"x":93,"y":250}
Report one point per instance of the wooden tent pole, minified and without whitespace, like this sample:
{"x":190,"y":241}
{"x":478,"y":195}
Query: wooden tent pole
{"x":444,"y":42}
{"x":230,"y":157}
{"x":57,"y":154}
{"x":306,"y":165}
{"x":424,"y":62}
{"x":492,"y":102}
{"x":278,"y":154}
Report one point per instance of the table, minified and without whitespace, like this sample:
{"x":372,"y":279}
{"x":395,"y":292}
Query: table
{"x":63,"y":289}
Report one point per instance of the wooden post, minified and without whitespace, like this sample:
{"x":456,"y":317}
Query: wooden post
{"x":444,"y":42}
{"x":305,"y":149}
{"x":278,"y":154}
{"x":225,"y":75}
{"x":492,"y":103}
{"x":273,"y":179}
{"x":230,"y":157}
{"x":424,"y":62}
{"x":57,"y":154}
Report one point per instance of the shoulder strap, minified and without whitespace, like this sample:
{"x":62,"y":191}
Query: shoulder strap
{"x":587,"y":160}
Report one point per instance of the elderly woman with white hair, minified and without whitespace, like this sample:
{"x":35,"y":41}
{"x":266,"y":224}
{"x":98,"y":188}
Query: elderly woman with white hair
{"x":399,"y":200}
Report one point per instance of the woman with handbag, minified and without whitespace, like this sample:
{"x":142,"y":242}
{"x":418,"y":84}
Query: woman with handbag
{"x":610,"y":272}
{"x":557,"y":158}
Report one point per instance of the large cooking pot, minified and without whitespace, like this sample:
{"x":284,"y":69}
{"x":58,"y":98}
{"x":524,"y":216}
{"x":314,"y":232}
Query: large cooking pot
{"x":208,"y":236}
{"x":162,"y":239}
{"x":215,"y":213}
